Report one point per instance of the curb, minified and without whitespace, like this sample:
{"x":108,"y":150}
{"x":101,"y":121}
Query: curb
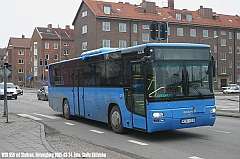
{"x":228,"y":114}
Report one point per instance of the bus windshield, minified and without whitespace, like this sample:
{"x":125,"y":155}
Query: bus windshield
{"x":180,"y":79}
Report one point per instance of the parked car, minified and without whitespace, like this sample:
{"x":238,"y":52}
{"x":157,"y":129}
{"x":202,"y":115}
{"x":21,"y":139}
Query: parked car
{"x":42,"y":93}
{"x":231,"y":90}
{"x":230,"y":86}
{"x":19,"y":90}
{"x":11,"y":90}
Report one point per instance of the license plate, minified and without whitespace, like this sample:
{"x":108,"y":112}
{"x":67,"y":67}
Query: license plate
{"x":9,"y":95}
{"x":187,"y":121}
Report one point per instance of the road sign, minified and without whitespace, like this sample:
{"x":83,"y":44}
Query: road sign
{"x":7,"y":71}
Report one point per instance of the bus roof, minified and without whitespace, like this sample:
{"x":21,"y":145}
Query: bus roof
{"x":101,"y":51}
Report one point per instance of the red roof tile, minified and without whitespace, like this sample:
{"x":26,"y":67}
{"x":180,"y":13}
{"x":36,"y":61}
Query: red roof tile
{"x":129,"y":11}
{"x":19,"y":42}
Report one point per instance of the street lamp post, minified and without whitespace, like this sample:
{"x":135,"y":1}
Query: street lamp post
{"x":208,"y":38}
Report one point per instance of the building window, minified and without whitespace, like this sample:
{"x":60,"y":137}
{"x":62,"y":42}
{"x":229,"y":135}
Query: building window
{"x":66,"y":44}
{"x":84,"y":45}
{"x":106,"y":26}
{"x":238,"y":36}
{"x":107,"y":9}
{"x":215,"y":33}
{"x":168,"y":30}
{"x":122,"y":27}
{"x":145,"y":26}
{"x":223,"y":32}
{"x":180,"y":31}
{"x":84,"y":13}
{"x":238,"y":50}
{"x":66,"y":52}
{"x":230,"y":35}
{"x":215,"y":49}
{"x":145,"y":37}
{"x":178,"y":16}
{"x":20,"y":62}
{"x":20,"y":79}
{"x":20,"y":70}
{"x":20,"y":52}
{"x":223,"y":56}
{"x":230,"y":49}
{"x":55,"y":57}
{"x":55,"y":45}
{"x":223,"y":42}
{"x":106,"y":43}
{"x":205,"y":33}
{"x":135,"y":28}
{"x":122,"y":43}
{"x":189,"y":17}
{"x":230,"y":78}
{"x":193,"y":32}
{"x":134,"y":43}
{"x":230,"y":64}
{"x":47,"y":56}
{"x":46,"y":45}
{"x":238,"y":64}
{"x":84,"y":29}
{"x":223,"y":70}
{"x":238,"y":78}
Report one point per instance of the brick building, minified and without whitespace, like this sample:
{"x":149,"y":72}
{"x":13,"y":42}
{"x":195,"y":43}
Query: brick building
{"x":107,"y":24}
{"x":17,"y":54}
{"x":49,"y":45}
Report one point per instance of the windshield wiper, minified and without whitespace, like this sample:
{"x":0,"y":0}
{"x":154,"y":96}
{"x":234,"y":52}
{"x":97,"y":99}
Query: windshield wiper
{"x":197,"y":90}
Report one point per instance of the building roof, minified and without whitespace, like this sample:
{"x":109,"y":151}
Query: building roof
{"x":126,"y":10}
{"x":55,"y":33}
{"x":19,"y":42}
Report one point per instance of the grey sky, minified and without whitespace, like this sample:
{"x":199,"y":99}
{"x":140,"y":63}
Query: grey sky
{"x":22,"y":16}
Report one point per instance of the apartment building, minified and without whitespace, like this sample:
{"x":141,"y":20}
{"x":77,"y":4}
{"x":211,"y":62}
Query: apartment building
{"x":100,"y":24}
{"x":17,"y":54}
{"x":49,"y":45}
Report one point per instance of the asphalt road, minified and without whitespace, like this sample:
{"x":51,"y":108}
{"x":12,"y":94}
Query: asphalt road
{"x":82,"y":135}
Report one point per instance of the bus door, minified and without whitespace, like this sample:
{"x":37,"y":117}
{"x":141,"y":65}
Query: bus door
{"x":78,"y":91}
{"x":138,"y":97}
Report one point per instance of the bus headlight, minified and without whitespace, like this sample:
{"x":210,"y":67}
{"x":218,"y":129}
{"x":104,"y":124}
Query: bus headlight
{"x":157,"y":114}
{"x":213,"y":110}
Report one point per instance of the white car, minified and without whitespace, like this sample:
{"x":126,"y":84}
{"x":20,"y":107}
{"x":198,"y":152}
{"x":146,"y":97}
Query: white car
{"x":230,"y":86}
{"x":231,"y":90}
{"x":11,"y":90}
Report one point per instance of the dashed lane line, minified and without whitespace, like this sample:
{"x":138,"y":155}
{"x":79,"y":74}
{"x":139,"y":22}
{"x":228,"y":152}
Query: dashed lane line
{"x":29,"y":116}
{"x":96,"y":131}
{"x":67,"y":123}
{"x":137,"y":142}
{"x":47,"y":116}
{"x":195,"y":157}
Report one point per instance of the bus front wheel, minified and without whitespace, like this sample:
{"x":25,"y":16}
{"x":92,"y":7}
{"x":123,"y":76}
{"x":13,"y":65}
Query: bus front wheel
{"x":116,"y":120}
{"x":66,"y":110}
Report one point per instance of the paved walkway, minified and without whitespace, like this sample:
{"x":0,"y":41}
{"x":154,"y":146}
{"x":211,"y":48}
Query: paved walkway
{"x":25,"y":138}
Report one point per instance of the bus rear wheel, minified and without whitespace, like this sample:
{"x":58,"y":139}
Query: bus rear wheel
{"x":116,"y":120}
{"x":66,"y":110}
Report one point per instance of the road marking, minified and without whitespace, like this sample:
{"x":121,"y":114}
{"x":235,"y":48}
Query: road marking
{"x":137,"y":142}
{"x":225,"y":132}
{"x":68,"y":123}
{"x":47,"y":116}
{"x":29,"y":116}
{"x":96,"y":131}
{"x":195,"y":157}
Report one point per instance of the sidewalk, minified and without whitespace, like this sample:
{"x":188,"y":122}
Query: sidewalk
{"x":22,"y":138}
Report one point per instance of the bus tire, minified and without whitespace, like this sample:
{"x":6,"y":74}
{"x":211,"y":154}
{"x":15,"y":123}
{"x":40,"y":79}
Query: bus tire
{"x":116,"y":120}
{"x":66,"y":110}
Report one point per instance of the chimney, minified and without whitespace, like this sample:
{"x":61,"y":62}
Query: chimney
{"x":58,"y":30}
{"x":206,"y":13}
{"x":68,"y":30}
{"x":171,"y":4}
{"x":49,"y":26}
{"x":23,"y":36}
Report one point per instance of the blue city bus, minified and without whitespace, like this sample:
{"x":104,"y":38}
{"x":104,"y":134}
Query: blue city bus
{"x":150,"y":87}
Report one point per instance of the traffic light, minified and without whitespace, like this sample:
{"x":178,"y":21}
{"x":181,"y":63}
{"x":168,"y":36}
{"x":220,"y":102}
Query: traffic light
{"x":45,"y":62}
{"x":40,"y":62}
{"x":154,"y":30}
{"x":163,"y":31}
